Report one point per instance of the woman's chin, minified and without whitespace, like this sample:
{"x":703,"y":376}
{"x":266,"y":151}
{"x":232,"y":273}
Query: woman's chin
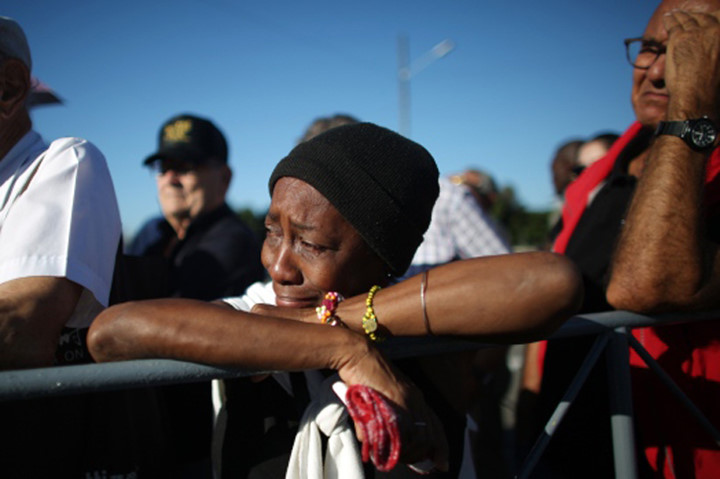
{"x":284,"y":302}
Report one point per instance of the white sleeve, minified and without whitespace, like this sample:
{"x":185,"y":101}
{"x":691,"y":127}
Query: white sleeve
{"x":65,"y":222}
{"x":257,"y":293}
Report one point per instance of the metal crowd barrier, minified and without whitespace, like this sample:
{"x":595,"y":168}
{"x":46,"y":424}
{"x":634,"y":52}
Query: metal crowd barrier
{"x":612,"y":330}
{"x":613,"y":339}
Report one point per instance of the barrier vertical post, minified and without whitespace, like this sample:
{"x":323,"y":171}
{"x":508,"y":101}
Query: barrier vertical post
{"x":621,"y":414}
{"x":557,"y":416}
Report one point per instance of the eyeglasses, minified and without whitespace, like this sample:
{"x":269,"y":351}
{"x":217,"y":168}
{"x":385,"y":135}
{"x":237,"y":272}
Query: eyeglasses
{"x":642,"y":53}
{"x":162,"y":166}
{"x":180,"y":167}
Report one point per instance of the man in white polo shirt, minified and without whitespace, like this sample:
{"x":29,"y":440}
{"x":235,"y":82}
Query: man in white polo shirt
{"x":59,"y":238}
{"x":59,"y":227}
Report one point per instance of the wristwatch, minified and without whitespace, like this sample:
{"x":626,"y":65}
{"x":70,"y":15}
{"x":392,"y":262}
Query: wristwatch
{"x":699,"y":134}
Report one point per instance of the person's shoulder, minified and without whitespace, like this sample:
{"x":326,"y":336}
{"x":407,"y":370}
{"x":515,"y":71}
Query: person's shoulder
{"x":149,"y":234}
{"x":446,"y":186}
{"x":453,"y":196}
{"x":78,"y":165}
{"x":153,"y":224}
{"x":75,"y":150}
{"x":226,"y":238}
{"x":447,"y":194}
{"x":231,"y":227}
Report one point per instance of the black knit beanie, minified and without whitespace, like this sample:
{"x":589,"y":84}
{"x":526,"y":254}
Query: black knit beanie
{"x":383,"y":184}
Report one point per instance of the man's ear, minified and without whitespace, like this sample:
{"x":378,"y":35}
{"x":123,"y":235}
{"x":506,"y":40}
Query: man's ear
{"x":226,"y":176}
{"x":14,"y":86}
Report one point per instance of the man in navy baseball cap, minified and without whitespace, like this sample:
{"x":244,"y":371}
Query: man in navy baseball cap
{"x":208,"y":251}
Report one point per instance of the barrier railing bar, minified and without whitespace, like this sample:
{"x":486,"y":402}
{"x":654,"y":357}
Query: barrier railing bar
{"x":43,"y":382}
{"x":621,"y":406}
{"x":557,"y":416}
{"x":585,"y":324}
{"x":65,"y":380}
{"x":86,"y":378}
{"x":673,"y":387}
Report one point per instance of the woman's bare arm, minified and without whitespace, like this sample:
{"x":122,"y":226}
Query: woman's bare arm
{"x":203,"y":332}
{"x":509,"y":298}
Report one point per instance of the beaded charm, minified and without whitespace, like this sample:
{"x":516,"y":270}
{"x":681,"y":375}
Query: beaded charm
{"x":369,"y":320}
{"x":326,"y":310}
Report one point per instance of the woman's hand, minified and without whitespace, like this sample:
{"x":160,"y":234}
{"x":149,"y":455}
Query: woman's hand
{"x":422,"y":435}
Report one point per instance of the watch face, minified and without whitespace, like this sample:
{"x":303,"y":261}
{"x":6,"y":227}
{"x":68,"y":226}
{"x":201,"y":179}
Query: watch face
{"x":703,"y":133}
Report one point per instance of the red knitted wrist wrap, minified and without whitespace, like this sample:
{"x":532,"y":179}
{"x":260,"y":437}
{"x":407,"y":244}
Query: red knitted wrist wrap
{"x":378,"y":421}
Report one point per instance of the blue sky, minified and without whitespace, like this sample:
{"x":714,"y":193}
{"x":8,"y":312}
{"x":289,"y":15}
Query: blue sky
{"x":523,"y":77}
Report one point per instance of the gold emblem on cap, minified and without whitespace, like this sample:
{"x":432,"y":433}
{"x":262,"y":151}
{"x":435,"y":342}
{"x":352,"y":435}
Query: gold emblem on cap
{"x":177,"y":131}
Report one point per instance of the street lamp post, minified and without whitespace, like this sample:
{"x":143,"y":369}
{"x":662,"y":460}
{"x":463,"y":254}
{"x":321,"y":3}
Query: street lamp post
{"x":407,"y":70}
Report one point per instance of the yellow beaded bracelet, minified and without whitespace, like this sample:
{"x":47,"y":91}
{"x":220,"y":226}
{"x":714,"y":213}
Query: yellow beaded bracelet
{"x":369,"y":320}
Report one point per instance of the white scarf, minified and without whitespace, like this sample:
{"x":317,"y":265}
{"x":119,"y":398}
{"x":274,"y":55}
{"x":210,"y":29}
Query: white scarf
{"x":328,"y":415}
